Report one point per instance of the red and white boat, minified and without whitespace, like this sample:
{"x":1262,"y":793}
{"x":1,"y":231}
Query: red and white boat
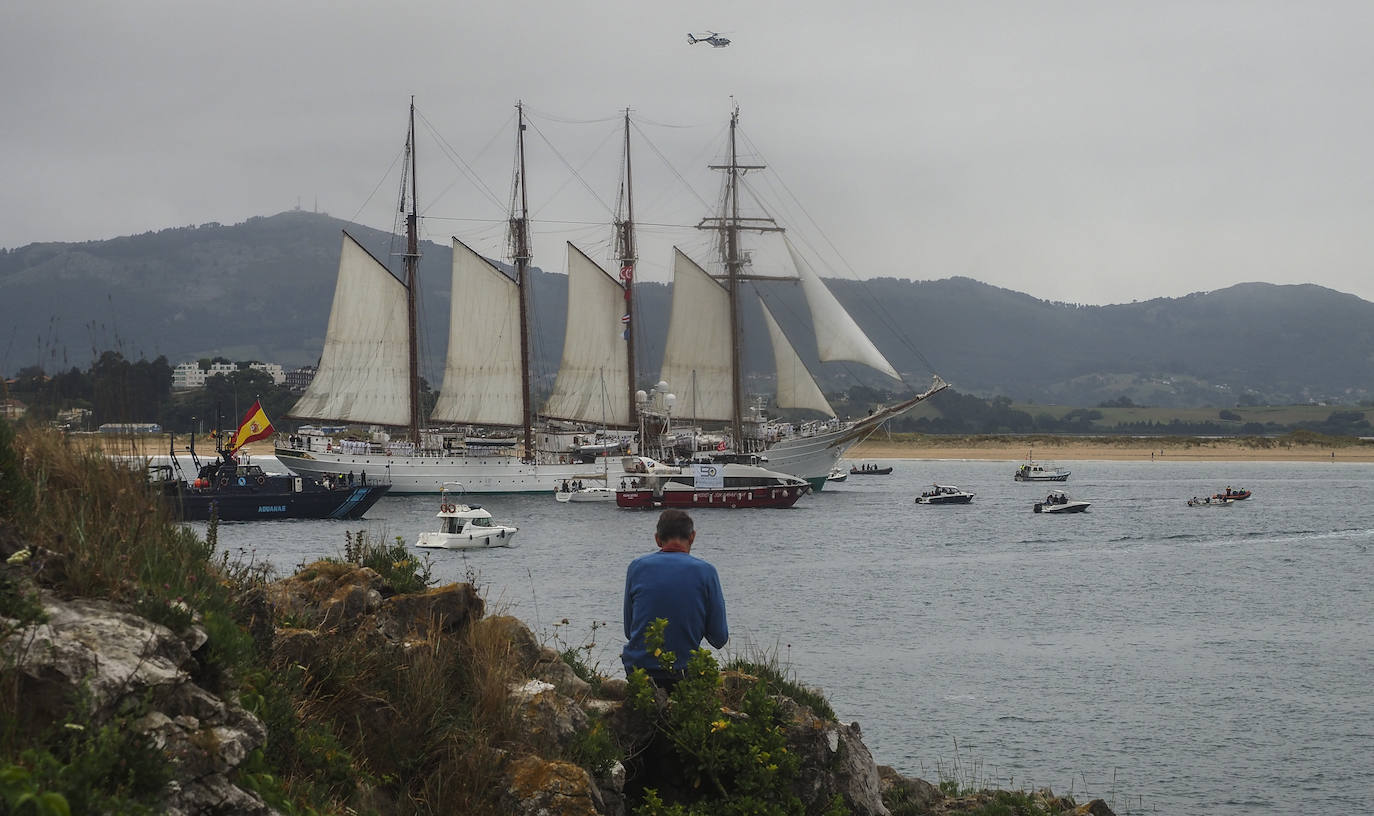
{"x":649,"y":484}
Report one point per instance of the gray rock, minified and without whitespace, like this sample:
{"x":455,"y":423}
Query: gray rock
{"x":118,"y":659}
{"x":920,"y":793}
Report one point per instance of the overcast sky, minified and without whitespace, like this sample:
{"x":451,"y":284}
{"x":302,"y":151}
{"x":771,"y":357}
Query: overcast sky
{"x":1093,"y":152}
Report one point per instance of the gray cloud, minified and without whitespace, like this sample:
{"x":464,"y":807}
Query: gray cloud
{"x":1086,"y":152}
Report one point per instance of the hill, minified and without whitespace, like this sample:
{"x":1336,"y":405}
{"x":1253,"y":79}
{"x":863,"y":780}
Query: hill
{"x":261,"y":290}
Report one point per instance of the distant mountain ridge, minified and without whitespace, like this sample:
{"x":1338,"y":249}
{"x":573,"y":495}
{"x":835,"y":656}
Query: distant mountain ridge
{"x":262,"y":289}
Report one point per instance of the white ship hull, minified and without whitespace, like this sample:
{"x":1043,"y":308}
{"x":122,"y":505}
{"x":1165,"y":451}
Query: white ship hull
{"x":810,"y":457}
{"x":813,"y":457}
{"x":427,"y":474}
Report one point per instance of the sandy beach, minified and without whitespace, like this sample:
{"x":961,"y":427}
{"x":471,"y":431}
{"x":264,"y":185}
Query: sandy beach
{"x":1126,"y":450}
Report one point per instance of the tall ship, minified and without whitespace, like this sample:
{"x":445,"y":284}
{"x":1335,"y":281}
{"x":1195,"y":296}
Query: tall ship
{"x":703,"y":359}
{"x":485,"y":432}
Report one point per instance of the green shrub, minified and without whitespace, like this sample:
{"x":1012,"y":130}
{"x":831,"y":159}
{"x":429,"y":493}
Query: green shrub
{"x":596,"y":748}
{"x":771,"y":673}
{"x":112,"y":768}
{"x":398,"y":566}
{"x":579,"y":656}
{"x":729,"y":747}
{"x":22,"y":795}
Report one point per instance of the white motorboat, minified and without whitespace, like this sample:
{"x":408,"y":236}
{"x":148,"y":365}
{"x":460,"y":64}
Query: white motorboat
{"x":1059,"y":502}
{"x":837,"y":475}
{"x":465,"y":527}
{"x":944,"y":494}
{"x":596,"y":493}
{"x":1040,"y":472}
{"x":1211,"y":501}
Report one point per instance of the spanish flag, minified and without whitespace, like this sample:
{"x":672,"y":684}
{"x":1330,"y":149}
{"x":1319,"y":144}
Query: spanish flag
{"x":255,"y":426}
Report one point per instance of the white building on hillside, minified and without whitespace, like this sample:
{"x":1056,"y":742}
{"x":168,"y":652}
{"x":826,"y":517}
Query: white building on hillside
{"x":191,"y":375}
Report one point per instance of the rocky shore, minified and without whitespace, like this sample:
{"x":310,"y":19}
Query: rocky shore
{"x":111,"y":658}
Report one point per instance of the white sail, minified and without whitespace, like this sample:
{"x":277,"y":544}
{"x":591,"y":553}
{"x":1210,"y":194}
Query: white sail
{"x":796,"y":387}
{"x":364,"y":369}
{"x":593,"y":382}
{"x":696,"y":360}
{"x":482,"y":382}
{"x":838,"y":337}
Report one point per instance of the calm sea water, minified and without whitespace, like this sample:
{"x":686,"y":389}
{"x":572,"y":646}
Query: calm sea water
{"x":1169,"y":659}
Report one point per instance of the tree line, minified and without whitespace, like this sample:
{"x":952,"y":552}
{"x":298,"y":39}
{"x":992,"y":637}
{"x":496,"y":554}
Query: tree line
{"x":115,"y":389}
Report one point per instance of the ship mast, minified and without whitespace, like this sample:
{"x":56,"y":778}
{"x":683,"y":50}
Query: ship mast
{"x":520,"y":246}
{"x":626,"y":251}
{"x":412,"y":264}
{"x":729,"y":225}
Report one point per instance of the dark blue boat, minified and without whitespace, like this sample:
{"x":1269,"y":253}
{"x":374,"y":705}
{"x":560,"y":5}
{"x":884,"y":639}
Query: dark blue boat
{"x":245,"y":492}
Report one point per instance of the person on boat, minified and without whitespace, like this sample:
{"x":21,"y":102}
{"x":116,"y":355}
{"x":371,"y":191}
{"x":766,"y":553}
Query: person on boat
{"x":679,"y":587}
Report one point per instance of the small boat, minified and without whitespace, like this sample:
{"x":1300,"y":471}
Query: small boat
{"x":837,"y":475}
{"x":1233,"y":495}
{"x":1211,"y":501}
{"x":596,"y":493}
{"x":1040,"y":472}
{"x":944,"y":494}
{"x":649,"y":484}
{"x":1059,"y":502}
{"x":465,"y":527}
{"x":868,"y":470}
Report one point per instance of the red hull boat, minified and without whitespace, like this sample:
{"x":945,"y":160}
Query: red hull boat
{"x":651,"y":485}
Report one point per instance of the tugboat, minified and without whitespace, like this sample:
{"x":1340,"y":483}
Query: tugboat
{"x":1037,"y":472}
{"x":234,"y":490}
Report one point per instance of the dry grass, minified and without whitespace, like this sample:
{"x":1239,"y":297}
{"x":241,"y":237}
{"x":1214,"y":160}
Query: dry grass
{"x":112,"y":537}
{"x":428,"y":722}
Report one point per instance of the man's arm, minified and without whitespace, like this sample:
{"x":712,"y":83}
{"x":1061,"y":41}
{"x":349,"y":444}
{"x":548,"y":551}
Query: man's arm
{"x":717,"y":631}
{"x":628,"y":611}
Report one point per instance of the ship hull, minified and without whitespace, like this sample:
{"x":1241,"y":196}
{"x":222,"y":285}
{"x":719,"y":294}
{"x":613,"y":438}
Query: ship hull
{"x":339,"y":503}
{"x":427,"y":474}
{"x":718,"y":499}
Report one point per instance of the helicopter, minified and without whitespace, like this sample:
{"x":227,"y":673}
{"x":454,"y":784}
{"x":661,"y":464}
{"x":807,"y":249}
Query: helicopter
{"x":711,"y":37}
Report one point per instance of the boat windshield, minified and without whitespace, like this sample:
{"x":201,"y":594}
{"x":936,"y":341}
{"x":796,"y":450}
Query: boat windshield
{"x":481,"y":522}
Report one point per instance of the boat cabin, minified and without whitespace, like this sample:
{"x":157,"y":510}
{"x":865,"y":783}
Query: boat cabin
{"x":462,"y":516}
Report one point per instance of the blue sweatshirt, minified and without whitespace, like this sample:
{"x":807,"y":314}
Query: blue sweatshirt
{"x":681,"y":588}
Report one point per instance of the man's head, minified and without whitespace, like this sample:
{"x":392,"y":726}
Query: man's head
{"x":675,"y":525}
